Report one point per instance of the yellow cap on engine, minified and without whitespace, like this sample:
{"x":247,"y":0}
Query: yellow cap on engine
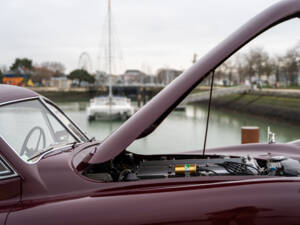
{"x":186,"y":168}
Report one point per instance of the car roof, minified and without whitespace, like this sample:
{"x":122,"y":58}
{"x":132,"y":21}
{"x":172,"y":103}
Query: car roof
{"x":10,"y":93}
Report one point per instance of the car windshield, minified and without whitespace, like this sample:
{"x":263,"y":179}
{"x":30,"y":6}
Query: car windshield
{"x":31,"y":129}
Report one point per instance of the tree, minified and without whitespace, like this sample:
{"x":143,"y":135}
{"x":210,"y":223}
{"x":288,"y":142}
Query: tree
{"x":41,"y":74}
{"x":275,"y":67}
{"x":258,"y":62}
{"x":57,"y":67}
{"x":45,"y":71}
{"x":291,"y":64}
{"x":81,"y":75}
{"x":1,"y":77}
{"x":21,"y":63}
{"x":241,"y":68}
{"x":228,"y":68}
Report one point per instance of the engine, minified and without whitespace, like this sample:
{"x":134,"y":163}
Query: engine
{"x":130,"y":167}
{"x":157,"y":169}
{"x":195,"y":167}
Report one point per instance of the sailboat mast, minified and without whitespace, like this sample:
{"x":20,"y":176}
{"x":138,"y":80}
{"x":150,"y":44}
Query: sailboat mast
{"x":109,"y":49}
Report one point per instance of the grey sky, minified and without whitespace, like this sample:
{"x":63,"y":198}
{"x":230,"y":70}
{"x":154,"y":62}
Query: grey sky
{"x":151,"y":33}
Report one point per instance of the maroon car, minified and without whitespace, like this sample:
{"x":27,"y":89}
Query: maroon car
{"x":52,"y":173}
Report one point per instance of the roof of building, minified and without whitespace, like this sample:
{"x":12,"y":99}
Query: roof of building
{"x":14,"y":75}
{"x":133,"y":72}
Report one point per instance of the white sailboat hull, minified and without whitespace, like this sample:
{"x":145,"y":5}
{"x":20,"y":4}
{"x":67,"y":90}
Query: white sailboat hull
{"x":114,"y":108}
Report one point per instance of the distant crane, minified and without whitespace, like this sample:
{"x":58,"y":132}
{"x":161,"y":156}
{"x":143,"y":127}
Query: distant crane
{"x":85,"y":62}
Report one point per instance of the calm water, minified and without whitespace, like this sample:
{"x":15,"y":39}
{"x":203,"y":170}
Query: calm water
{"x":184,"y":131}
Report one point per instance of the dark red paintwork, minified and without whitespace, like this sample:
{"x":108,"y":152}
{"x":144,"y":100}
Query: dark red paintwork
{"x":10,"y":93}
{"x":149,"y":117}
{"x":52,"y":191}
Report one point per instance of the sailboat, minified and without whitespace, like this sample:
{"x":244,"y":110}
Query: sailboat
{"x":110,"y":107}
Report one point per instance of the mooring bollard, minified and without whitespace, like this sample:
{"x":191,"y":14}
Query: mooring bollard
{"x":250,"y":135}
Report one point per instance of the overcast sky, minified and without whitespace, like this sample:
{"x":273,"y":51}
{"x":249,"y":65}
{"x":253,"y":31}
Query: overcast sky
{"x":151,"y":33}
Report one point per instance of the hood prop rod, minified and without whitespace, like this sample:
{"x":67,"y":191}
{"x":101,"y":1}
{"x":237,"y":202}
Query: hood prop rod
{"x":208,"y":111}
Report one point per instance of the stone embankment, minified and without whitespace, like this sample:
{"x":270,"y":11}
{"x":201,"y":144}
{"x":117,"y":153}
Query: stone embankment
{"x":217,"y":92}
{"x":65,"y":95}
{"x":288,"y":93}
{"x":139,"y":93}
{"x":283,"y":104}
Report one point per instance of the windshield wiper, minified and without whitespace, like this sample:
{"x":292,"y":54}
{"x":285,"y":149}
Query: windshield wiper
{"x":92,"y":139}
{"x":73,"y":144}
{"x":41,"y":153}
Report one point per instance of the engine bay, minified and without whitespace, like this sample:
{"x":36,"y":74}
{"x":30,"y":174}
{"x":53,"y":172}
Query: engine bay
{"x":131,"y":167}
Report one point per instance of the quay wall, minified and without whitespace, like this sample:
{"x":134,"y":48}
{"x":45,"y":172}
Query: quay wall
{"x":136,"y":93}
{"x":280,"y":104}
{"x":66,"y":96}
{"x":272,"y":104}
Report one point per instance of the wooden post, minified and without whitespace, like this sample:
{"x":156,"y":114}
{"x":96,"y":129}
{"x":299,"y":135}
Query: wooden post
{"x":249,"y":135}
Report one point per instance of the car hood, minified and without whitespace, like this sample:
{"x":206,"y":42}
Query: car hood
{"x":154,"y":112}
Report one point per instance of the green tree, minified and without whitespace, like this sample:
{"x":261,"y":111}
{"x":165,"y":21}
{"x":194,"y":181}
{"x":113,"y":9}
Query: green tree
{"x":291,"y":64}
{"x":1,"y":77}
{"x":258,"y":62}
{"x":24,"y":62}
{"x":81,"y":75}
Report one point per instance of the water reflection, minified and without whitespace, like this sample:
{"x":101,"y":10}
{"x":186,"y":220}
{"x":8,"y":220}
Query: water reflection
{"x":184,"y":131}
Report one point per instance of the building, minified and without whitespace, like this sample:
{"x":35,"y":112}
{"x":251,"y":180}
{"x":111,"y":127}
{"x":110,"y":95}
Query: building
{"x":133,"y":76}
{"x":165,"y":76}
{"x":18,"y":79}
{"x":60,"y":82}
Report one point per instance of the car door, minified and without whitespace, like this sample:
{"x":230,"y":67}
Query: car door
{"x":10,"y":189}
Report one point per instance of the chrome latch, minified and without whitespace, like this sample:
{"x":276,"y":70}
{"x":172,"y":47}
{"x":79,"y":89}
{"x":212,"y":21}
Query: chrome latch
{"x":271,"y":136}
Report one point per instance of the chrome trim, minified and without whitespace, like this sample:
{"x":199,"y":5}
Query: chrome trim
{"x":41,"y":99}
{"x":9,"y":168}
{"x":19,"y":100}
{"x":6,"y":169}
{"x":45,"y":153}
{"x":47,"y":101}
{"x":56,"y":117}
{"x":39,"y":158}
{"x":9,"y":176}
{"x":44,"y":102}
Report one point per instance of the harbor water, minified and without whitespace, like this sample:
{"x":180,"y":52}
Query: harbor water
{"x":184,"y":130}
